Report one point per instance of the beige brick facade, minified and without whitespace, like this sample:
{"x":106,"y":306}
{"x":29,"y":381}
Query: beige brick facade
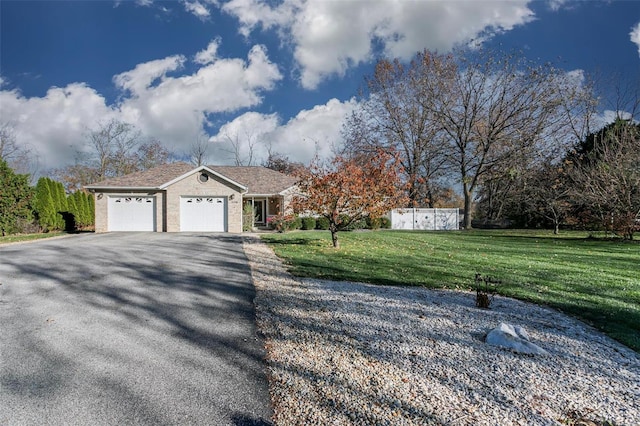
{"x":167,"y":202}
{"x":214,"y":187}
{"x":169,"y":183}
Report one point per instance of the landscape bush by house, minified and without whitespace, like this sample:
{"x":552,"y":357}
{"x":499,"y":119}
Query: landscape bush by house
{"x":308,"y":223}
{"x":248,"y":215}
{"x":322,"y":223}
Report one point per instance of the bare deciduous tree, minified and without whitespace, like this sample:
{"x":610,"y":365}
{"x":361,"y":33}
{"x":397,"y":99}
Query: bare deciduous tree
{"x":241,"y":145}
{"x":20,"y":158}
{"x":151,"y":154}
{"x":490,"y":110}
{"x":116,"y":149}
{"x":112,"y":143}
{"x":199,"y":149}
{"x":393,"y":117}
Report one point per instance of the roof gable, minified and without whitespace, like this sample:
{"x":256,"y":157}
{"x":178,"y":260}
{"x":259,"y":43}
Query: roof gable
{"x":242,"y":187}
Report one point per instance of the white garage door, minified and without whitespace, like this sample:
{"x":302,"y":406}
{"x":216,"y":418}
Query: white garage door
{"x":203,"y":214}
{"x":132,"y":213}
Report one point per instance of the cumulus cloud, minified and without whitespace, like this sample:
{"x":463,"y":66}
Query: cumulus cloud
{"x":311,"y":132}
{"x":179,"y":105}
{"x":172,"y":108}
{"x":635,"y":36}
{"x":253,"y":13}
{"x":144,"y":75}
{"x":209,"y":54}
{"x":54,"y":125}
{"x":328,"y":37}
{"x":197,"y":8}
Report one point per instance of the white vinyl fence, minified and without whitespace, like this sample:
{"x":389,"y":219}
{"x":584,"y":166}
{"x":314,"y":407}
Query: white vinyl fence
{"x":425,"y":219}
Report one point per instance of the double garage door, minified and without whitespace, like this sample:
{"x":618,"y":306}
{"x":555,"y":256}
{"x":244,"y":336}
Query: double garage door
{"x":197,"y":214}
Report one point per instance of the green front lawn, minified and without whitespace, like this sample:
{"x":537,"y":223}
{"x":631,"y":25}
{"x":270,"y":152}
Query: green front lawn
{"x":28,"y":237}
{"x":596,"y":280}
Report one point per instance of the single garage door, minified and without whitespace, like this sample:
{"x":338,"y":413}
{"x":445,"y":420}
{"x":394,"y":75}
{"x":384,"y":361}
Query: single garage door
{"x":132,"y":213}
{"x":203,"y":214}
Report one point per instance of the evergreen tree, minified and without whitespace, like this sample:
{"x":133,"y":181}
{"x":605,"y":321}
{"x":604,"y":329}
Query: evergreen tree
{"x":43,"y":205}
{"x":60,"y":202}
{"x":91,"y":218}
{"x":73,"y":208}
{"x":83,"y":207}
{"x":15,"y":199}
{"x":55,"y":220}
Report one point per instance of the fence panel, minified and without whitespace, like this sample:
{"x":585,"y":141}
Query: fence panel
{"x":425,"y":219}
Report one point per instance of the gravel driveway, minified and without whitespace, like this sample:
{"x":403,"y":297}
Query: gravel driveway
{"x":133,"y":328}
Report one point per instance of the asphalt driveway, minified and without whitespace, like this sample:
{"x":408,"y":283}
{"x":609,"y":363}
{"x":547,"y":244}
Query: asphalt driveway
{"x":130,"y":328}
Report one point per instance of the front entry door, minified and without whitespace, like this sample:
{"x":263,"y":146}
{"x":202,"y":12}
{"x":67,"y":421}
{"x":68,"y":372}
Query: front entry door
{"x":259,"y":212}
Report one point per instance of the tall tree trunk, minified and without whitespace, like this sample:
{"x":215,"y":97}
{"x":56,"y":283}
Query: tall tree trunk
{"x":334,"y":239}
{"x":467,"y":205}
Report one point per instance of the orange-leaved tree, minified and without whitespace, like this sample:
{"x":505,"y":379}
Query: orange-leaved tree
{"x":348,"y":190}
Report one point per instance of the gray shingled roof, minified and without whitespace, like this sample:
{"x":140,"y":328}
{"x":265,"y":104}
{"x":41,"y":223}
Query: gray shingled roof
{"x":258,"y":180}
{"x":152,"y":178}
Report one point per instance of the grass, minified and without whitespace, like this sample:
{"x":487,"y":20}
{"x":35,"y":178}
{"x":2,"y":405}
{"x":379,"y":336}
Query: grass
{"x":28,"y":237}
{"x":596,"y":280}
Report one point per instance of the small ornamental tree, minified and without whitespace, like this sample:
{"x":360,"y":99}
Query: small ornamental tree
{"x":350,"y":190}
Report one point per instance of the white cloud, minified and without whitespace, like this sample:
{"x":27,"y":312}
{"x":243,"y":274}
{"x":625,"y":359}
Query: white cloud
{"x":252,"y":13}
{"x":54,"y":125}
{"x":329,"y":37}
{"x":311,"y":132}
{"x":635,"y":36}
{"x":144,"y":75}
{"x":209,"y":54}
{"x":246,"y":137}
{"x":608,"y":116}
{"x":177,"y":107}
{"x":173,"y":109}
{"x":197,"y":8}
{"x":556,"y":5}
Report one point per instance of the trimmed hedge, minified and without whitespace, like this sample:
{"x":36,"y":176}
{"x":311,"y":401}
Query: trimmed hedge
{"x":308,"y":223}
{"x":322,"y":223}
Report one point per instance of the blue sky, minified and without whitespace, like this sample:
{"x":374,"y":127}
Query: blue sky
{"x":277,"y":74}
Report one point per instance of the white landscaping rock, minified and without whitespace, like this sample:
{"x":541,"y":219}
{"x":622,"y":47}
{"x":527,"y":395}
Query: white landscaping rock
{"x":343,"y":354}
{"x":515,"y":338}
